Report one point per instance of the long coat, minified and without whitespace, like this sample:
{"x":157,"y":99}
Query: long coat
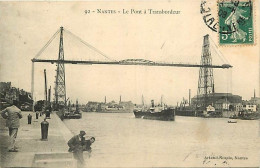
{"x":75,"y":144}
{"x":13,"y":115}
{"x":87,"y":145}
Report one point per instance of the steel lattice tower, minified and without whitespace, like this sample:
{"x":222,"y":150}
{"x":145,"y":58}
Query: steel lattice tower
{"x":60,"y":87}
{"x":206,"y":78}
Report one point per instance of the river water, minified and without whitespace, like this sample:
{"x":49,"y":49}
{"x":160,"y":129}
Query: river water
{"x":124,"y":141}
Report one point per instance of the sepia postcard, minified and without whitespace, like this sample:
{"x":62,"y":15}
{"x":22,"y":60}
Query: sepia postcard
{"x":162,"y":83}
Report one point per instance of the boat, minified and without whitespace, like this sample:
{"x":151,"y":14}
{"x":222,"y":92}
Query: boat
{"x":210,"y":112}
{"x":72,"y":113}
{"x":160,"y":112}
{"x":116,"y":109}
{"x":231,"y":120}
{"x":110,"y":107}
{"x":248,"y":115}
{"x":233,"y":117}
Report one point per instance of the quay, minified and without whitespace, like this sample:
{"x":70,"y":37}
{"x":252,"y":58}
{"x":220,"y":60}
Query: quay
{"x":32,"y":151}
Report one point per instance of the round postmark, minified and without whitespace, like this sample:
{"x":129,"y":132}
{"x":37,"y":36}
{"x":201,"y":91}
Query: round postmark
{"x":208,"y":11}
{"x":215,"y":12}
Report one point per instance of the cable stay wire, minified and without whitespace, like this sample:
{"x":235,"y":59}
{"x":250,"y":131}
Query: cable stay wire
{"x":77,"y":49}
{"x":214,"y":52}
{"x":214,"y":49}
{"x":88,"y":45}
{"x":47,"y":44}
{"x":180,"y":50}
{"x":230,"y":82}
{"x":70,"y":47}
{"x":219,"y":52}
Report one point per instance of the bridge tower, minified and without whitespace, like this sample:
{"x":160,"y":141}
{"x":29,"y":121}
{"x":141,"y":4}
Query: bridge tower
{"x":60,"y":87}
{"x":206,"y":89}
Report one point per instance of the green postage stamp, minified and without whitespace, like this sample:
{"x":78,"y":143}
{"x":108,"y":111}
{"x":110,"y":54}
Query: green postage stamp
{"x":235,"y":22}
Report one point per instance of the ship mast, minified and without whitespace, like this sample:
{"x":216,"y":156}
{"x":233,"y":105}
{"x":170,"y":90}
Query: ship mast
{"x":77,"y":106}
{"x":143,"y":100}
{"x":45,"y":89}
{"x":45,"y":86}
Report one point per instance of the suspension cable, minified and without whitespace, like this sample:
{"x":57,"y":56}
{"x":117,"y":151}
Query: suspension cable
{"x":177,"y":57}
{"x":47,"y":44}
{"x":231,"y":76}
{"x":88,"y":45}
{"x":220,"y":53}
{"x":213,"y":51}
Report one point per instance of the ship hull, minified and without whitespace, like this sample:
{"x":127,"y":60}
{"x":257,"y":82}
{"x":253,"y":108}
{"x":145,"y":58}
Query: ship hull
{"x":185,"y":113}
{"x":116,"y":111}
{"x":72,"y":117}
{"x":164,"y":115}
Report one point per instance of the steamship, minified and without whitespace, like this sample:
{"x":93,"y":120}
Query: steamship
{"x":160,"y":112}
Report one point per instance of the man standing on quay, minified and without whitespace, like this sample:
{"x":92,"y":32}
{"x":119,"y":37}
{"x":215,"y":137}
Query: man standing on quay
{"x":12,"y":115}
{"x":76,"y":146}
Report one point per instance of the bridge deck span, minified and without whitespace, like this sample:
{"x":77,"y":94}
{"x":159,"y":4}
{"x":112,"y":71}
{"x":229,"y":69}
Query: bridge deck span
{"x":123,"y":62}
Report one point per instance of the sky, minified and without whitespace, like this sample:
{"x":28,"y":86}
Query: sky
{"x":27,"y":26}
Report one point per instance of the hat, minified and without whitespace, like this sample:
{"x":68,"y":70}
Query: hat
{"x":82,"y":133}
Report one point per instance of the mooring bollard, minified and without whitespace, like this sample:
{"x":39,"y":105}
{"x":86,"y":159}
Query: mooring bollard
{"x":48,"y":114}
{"x":29,"y":119}
{"x":44,"y":128}
{"x":37,"y":114}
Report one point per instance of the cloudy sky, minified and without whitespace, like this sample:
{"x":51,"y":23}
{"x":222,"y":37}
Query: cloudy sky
{"x":27,"y":26}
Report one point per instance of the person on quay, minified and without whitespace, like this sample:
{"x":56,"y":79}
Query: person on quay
{"x":87,"y":145}
{"x":12,"y":115}
{"x":76,"y":147}
{"x":37,"y":114}
{"x":29,"y":119}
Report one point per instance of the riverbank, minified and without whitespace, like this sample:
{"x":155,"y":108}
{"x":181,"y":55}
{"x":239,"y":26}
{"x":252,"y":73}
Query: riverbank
{"x":32,"y":151}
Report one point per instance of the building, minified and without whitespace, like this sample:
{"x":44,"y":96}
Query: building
{"x":4,"y":87}
{"x":222,"y":105}
{"x":127,"y":104}
{"x":91,"y":106}
{"x":221,"y":101}
{"x":111,"y":106}
{"x":10,"y":94}
{"x":239,"y":107}
{"x":249,"y":107}
{"x":255,"y":100}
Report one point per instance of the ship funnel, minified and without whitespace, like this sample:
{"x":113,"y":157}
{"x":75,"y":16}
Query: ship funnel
{"x":152,"y":102}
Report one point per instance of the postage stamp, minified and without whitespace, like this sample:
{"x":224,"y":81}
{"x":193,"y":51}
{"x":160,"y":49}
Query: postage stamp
{"x":235,"y":22}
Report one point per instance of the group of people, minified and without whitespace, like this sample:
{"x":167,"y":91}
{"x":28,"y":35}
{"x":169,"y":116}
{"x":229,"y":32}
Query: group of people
{"x":77,"y":144}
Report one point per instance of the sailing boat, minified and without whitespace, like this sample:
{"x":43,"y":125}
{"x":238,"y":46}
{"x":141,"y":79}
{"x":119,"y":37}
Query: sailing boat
{"x":160,"y":112}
